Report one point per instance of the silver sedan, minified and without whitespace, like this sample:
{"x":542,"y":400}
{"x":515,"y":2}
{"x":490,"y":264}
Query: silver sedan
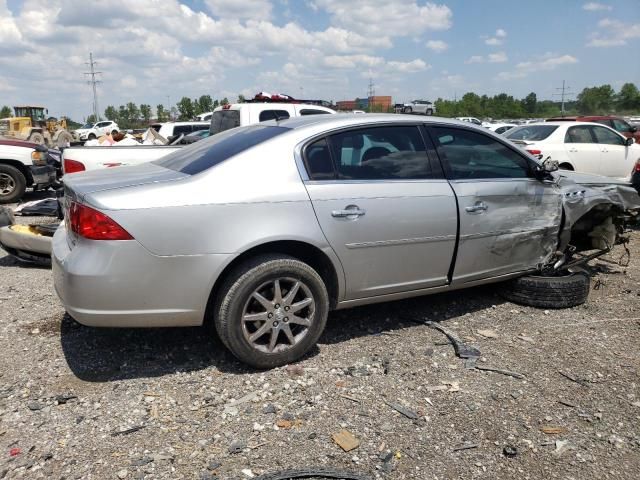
{"x":264,"y":229}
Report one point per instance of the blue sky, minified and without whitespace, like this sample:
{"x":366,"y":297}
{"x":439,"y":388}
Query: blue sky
{"x":153,"y":49}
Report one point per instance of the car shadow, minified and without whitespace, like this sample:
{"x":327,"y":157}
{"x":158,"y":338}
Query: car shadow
{"x":10,"y":261}
{"x":104,"y":354}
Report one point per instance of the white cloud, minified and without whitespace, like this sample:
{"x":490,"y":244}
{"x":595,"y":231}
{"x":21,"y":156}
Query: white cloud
{"x":437,"y":46}
{"x":493,"y":41}
{"x":501,"y":33}
{"x":408,"y":67}
{"x":475,"y":59}
{"x":546,"y":62}
{"x":498,"y":38}
{"x":382,"y":17}
{"x":614,"y":33}
{"x":499,"y":57}
{"x":245,"y":9}
{"x":596,"y":7}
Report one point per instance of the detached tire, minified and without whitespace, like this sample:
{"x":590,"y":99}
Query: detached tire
{"x":271,"y":310}
{"x":549,"y":292}
{"x":12,"y":184}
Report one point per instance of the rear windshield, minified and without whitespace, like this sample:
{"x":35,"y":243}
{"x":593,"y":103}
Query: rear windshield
{"x":224,"y":120}
{"x":211,"y":151}
{"x":531,"y":132}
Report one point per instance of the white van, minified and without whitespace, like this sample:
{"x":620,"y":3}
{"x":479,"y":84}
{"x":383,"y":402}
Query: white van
{"x":240,"y":114}
{"x":171,"y":129}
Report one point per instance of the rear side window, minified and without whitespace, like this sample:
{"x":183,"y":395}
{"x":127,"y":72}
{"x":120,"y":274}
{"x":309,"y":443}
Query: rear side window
{"x":472,"y":155}
{"x":211,"y":151}
{"x":531,"y":132}
{"x":224,"y":120}
{"x":580,"y":134}
{"x":380,"y":153}
{"x":311,"y":111}
{"x":266,"y":115}
{"x":186,"y":129}
{"x":318,"y":161}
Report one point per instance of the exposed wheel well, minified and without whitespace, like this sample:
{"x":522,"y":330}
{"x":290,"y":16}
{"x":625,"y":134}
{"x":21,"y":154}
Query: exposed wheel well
{"x":566,"y":166}
{"x":20,"y":166}
{"x":312,"y":256}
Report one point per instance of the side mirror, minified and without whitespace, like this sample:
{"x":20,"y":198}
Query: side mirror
{"x":633,"y":129}
{"x":550,"y":165}
{"x":630,"y":141}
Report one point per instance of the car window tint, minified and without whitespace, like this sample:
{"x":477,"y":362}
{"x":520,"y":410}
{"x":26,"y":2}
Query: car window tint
{"x":604,"y":135}
{"x":266,"y":115}
{"x":531,"y":132}
{"x":318,"y":161}
{"x":380,"y":153}
{"x":579,"y":134}
{"x":476,"y":155}
{"x":621,"y":126}
{"x":311,"y":111}
{"x":215,"y":149}
{"x":178,"y":129}
{"x":224,"y":120}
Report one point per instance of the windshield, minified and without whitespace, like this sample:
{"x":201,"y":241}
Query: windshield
{"x":531,"y":132}
{"x":211,"y":151}
{"x":223,"y":120}
{"x":87,"y":125}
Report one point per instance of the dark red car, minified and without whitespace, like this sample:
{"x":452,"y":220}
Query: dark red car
{"x":617,"y":123}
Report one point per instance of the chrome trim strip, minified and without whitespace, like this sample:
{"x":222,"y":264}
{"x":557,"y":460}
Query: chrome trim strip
{"x":402,"y":241}
{"x":472,"y":236}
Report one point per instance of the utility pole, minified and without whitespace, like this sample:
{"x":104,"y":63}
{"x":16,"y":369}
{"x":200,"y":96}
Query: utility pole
{"x":371,"y":93}
{"x":93,"y":82}
{"x":169,"y":106}
{"x":565,"y":91}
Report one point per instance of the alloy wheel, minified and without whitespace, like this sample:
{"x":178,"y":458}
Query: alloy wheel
{"x":7,"y":184}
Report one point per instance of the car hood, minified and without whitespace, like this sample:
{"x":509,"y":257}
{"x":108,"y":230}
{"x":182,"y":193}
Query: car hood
{"x":583,"y":191}
{"x":79,"y":185}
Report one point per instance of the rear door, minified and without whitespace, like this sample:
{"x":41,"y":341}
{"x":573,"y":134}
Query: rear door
{"x":581,"y":149}
{"x":389,"y":215}
{"x":509,"y":221}
{"x":615,"y":159}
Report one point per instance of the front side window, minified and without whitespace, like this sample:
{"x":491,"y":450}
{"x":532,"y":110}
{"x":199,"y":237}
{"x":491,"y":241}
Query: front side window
{"x":380,"y":153}
{"x":606,"y":136}
{"x":580,"y":134}
{"x":621,"y":126}
{"x":266,"y":115}
{"x":473,"y":155}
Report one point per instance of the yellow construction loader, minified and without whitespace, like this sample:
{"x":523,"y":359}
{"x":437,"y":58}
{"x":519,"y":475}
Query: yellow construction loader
{"x":31,"y":124}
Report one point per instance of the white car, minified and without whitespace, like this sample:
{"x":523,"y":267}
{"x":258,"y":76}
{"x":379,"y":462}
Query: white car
{"x":581,"y":146}
{"x":424,"y":107}
{"x":171,"y":129}
{"x":473,"y":120}
{"x":500,"y":128}
{"x":204,"y":117}
{"x":240,"y":114}
{"x":92,"y":131}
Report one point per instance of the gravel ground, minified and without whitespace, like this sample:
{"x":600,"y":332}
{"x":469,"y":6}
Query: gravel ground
{"x":77,"y":402}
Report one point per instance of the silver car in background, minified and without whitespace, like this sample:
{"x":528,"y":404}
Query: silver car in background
{"x":264,"y":229}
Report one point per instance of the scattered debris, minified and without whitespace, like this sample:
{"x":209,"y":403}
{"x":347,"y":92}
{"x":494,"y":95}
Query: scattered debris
{"x":561,"y":446}
{"x":402,"y":409}
{"x":35,"y":406}
{"x":462,"y":349}
{"x":346,"y":440}
{"x":237,"y":446}
{"x":295,"y":370}
{"x":579,"y":381}
{"x":314,"y":473}
{"x":552,"y":430}
{"x":465,"y":446}
{"x":353,"y":399}
{"x":501,"y":371}
{"x":509,"y":451}
{"x":127,"y":431}
{"x":567,"y":404}
{"x":487,"y":333}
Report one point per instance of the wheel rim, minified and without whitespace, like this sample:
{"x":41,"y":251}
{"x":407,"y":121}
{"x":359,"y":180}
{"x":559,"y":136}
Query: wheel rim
{"x":278,"y":315}
{"x":7,"y":184}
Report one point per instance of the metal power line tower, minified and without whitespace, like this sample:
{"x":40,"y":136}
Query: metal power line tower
{"x":565,"y":92}
{"x":93,"y":82}
{"x":372,"y":90}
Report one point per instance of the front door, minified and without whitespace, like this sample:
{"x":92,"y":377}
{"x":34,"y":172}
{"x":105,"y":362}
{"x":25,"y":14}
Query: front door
{"x":389,"y":216}
{"x":509,"y":221}
{"x":615,"y":156}
{"x":582,"y":150}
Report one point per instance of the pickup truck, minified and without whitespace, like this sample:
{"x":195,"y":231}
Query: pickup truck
{"x":80,"y":159}
{"x":24,"y":165}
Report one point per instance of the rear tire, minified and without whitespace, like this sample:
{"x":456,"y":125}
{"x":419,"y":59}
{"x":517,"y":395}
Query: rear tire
{"x":246,"y":306}
{"x":13,"y":184}
{"x":36,"y":137}
{"x":549,"y":292}
{"x":429,"y":111}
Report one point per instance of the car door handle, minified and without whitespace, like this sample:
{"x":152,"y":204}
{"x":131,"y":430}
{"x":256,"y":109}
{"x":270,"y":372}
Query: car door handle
{"x":478,"y":207}
{"x":573,"y":150}
{"x":350,"y":211}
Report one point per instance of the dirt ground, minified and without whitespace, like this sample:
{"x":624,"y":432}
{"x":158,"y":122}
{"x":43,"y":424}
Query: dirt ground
{"x":77,"y":402}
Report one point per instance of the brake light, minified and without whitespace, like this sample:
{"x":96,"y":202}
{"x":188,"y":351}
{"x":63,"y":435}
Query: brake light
{"x":636,"y":169}
{"x":95,"y":225}
{"x":73,"y":166}
{"x":535,"y":152}
{"x":226,"y":107}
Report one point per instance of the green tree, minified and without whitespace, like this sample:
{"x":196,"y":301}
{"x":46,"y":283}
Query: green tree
{"x":530,"y":103}
{"x":224,"y":101}
{"x":5,"y":112}
{"x":470,"y":105}
{"x":216,"y":104}
{"x":123,"y":117}
{"x":628,"y":99}
{"x":241,"y":98}
{"x":185,"y":107}
{"x":161,"y":113}
{"x":110,"y":113}
{"x":91,"y":118}
{"x":596,"y":100}
{"x":145,"y":112}
{"x":206,"y":103}
{"x":134,"y":114}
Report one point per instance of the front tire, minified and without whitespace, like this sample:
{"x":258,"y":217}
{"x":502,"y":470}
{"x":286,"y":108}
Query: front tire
{"x":407,"y":110}
{"x":13,"y":184}
{"x":271,"y":310}
{"x":91,"y":136}
{"x":537,"y":291}
{"x":429,"y":111}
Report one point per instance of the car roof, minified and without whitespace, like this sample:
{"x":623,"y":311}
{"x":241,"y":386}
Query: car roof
{"x":349,"y":119}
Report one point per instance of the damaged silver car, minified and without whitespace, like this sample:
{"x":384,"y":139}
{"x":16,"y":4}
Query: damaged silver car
{"x":262,"y":230}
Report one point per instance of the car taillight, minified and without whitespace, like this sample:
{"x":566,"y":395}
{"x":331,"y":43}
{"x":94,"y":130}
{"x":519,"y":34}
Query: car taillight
{"x":95,"y":225}
{"x":535,"y":152}
{"x":636,"y":169}
{"x":72,"y":166}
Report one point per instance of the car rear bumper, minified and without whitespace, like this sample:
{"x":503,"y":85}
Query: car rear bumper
{"x":121,"y":284}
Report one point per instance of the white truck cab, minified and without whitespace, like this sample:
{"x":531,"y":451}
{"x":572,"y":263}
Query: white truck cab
{"x":240,"y":114}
